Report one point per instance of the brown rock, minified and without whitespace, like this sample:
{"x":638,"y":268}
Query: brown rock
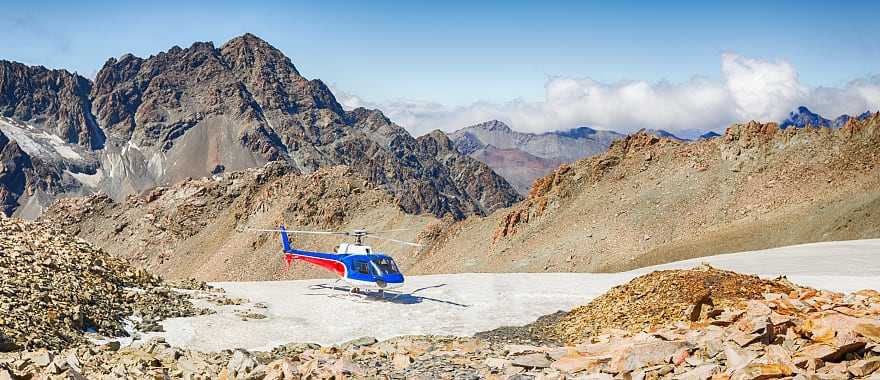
{"x":401,"y":361}
{"x":864,"y":367}
{"x":762,"y":372}
{"x":640,"y":355}
{"x":702,"y":372}
{"x":573,"y":363}
{"x":869,"y":330}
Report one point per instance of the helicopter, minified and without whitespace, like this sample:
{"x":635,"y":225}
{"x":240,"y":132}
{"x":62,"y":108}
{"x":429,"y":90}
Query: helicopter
{"x":354,"y":263}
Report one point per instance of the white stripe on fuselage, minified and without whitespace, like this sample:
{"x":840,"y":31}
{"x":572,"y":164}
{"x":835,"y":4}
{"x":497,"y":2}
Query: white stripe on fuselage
{"x":370,"y":284}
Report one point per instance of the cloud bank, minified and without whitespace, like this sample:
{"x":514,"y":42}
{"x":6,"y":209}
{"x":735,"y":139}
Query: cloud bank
{"x":749,"y":89}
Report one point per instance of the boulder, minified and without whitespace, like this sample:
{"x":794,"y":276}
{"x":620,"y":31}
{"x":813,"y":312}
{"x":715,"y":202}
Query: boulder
{"x":530,"y":361}
{"x":864,"y":367}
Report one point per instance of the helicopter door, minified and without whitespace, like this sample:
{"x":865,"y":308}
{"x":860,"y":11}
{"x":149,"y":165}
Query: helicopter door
{"x":362,"y":267}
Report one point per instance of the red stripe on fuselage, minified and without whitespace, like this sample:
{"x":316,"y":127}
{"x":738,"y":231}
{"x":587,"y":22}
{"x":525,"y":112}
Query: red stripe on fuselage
{"x":332,"y":265}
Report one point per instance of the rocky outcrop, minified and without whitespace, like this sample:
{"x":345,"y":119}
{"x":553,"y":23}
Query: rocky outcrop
{"x":55,"y":100}
{"x":14,"y":166}
{"x":521,"y":158}
{"x":562,"y":183}
{"x":25,"y":180}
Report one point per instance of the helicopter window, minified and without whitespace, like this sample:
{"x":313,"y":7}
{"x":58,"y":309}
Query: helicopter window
{"x":362,"y":267}
{"x":386,"y":265}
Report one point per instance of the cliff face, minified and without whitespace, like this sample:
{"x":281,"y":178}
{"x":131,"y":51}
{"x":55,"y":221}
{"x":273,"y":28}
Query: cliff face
{"x":55,"y":100}
{"x":203,"y":110}
{"x":14,"y":164}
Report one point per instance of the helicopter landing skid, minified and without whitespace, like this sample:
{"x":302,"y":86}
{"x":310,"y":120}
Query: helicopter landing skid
{"x":358,"y":294}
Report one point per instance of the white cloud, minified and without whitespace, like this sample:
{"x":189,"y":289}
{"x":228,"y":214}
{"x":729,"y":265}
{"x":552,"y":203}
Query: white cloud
{"x":762,"y":90}
{"x":748,"y":89}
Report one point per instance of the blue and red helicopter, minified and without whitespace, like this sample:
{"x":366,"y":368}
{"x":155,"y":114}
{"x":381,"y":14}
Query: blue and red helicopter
{"x":355,"y":263}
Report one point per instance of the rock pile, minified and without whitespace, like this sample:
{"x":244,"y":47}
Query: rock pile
{"x":54,"y":287}
{"x":661,"y":297}
{"x":806,"y":333}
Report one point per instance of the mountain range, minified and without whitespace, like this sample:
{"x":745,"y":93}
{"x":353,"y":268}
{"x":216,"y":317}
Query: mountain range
{"x":646,"y":200}
{"x":522,"y":157}
{"x":802,"y":117}
{"x":206,"y":110}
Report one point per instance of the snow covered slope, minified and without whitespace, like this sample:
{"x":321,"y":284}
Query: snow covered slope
{"x":462,"y":304}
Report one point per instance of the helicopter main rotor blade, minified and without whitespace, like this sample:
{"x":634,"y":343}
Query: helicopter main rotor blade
{"x":300,"y":231}
{"x":394,"y":240}
{"x":387,"y":231}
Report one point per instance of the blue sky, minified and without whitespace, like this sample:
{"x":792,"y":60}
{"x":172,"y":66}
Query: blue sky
{"x":457,"y":53}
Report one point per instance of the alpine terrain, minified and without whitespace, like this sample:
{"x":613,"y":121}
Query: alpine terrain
{"x":649,"y":200}
{"x":209,"y":212}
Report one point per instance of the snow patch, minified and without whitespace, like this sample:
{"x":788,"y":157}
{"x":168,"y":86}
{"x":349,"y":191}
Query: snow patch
{"x":62,"y":148}
{"x":463,"y":304}
{"x":37,"y":143}
{"x":91,"y":180}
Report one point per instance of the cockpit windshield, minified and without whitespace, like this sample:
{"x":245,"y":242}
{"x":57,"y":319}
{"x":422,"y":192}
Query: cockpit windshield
{"x":385,"y":265}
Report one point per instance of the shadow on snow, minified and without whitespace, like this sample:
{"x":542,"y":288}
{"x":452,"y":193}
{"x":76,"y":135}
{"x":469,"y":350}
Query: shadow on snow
{"x":389,"y":296}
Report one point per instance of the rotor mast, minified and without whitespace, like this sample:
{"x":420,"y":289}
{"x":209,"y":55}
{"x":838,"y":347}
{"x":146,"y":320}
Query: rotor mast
{"x":359,"y":236}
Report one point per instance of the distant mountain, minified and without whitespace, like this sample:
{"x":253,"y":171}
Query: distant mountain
{"x":708,"y":135}
{"x":662,"y":134}
{"x":803,"y":117}
{"x":522,"y":157}
{"x":205,"y":110}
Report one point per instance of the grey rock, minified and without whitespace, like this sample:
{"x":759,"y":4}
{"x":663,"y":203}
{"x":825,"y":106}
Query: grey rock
{"x":359,"y":342}
{"x":533,"y":360}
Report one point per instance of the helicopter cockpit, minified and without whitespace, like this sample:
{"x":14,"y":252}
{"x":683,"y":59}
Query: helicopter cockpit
{"x":385,"y":265}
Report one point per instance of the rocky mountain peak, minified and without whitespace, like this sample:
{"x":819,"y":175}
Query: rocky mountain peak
{"x":442,"y":140}
{"x":639,"y":141}
{"x":662,"y":134}
{"x":54,"y":100}
{"x":493,"y":126}
{"x":802,"y":117}
{"x":248,"y":51}
{"x":709,"y":135}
